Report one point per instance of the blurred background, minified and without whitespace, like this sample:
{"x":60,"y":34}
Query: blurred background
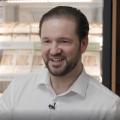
{"x":20,"y":46}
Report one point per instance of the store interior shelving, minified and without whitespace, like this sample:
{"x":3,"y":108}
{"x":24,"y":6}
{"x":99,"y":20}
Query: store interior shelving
{"x":20,"y":45}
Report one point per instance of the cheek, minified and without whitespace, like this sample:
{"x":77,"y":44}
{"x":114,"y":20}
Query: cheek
{"x":44,"y":52}
{"x":73,"y":50}
{"x":70,"y":52}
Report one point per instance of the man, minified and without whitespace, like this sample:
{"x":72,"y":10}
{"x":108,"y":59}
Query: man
{"x":63,"y":91}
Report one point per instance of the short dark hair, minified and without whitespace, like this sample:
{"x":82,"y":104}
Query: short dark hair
{"x":82,"y":24}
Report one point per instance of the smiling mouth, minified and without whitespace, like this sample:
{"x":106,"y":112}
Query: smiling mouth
{"x":56,"y":62}
{"x":57,"y":59}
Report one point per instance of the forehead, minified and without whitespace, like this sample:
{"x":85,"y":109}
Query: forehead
{"x":58,"y":25}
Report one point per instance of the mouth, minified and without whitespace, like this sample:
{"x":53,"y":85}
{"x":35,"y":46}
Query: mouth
{"x":56,"y":61}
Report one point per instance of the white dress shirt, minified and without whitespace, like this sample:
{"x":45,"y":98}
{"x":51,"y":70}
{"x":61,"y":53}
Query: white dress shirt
{"x":31,"y":97}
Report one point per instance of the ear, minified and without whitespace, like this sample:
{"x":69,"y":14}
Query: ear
{"x":84,"y":44}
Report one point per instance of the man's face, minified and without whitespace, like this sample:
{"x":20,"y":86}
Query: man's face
{"x":61,"y":50}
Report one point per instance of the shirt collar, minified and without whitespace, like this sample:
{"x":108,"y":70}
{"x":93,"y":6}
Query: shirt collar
{"x":43,"y":77}
{"x":79,"y":86}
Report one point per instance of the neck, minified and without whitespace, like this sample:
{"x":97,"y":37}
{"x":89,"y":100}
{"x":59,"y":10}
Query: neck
{"x":61,"y":84}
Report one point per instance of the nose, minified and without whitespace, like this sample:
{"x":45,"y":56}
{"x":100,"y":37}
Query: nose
{"x":54,"y":49}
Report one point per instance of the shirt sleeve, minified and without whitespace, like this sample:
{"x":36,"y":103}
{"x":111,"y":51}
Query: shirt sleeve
{"x":6,"y":104}
{"x":11,"y":96}
{"x":117,"y":113}
{"x":112,"y":113}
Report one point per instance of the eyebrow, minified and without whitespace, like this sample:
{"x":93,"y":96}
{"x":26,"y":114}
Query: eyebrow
{"x":44,"y":38}
{"x":61,"y":38}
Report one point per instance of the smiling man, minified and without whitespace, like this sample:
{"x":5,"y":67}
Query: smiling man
{"x":62,"y":90}
{"x":61,"y":51}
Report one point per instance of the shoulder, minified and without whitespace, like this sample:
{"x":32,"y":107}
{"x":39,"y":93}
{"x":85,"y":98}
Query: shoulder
{"x":100,"y":93}
{"x":22,"y":82}
{"x":19,"y":86}
{"x":28,"y":78}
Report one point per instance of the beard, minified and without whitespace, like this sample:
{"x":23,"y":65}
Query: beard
{"x":68,"y":64}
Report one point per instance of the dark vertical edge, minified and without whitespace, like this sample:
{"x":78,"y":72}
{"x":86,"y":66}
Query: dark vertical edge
{"x":118,"y":50}
{"x":107,"y":40}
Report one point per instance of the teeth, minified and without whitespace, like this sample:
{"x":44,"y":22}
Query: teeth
{"x":57,"y":59}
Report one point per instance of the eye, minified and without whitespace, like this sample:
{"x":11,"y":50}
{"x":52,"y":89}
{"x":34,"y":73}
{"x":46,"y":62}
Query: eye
{"x":65,"y":41}
{"x":44,"y":41}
